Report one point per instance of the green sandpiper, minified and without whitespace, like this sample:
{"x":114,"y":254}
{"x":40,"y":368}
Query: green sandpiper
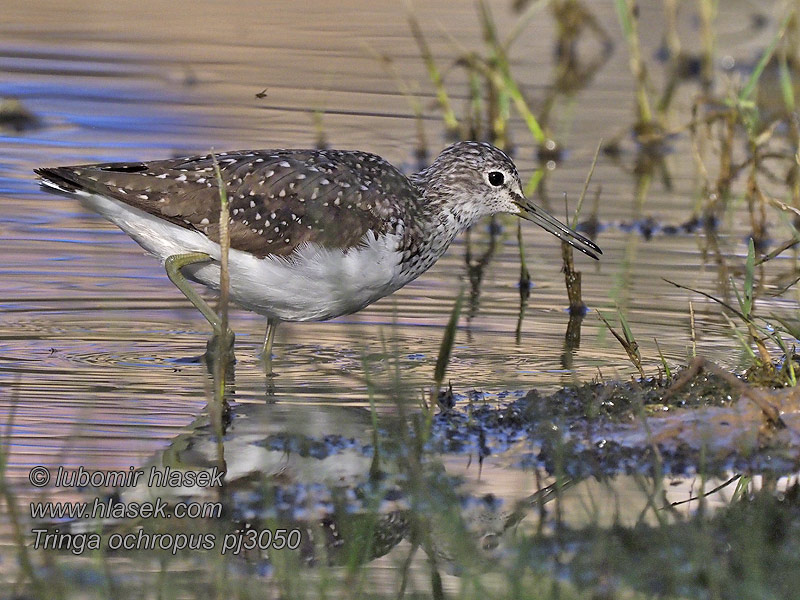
{"x":314,"y":234}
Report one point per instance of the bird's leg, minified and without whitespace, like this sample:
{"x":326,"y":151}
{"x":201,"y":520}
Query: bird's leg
{"x":174,"y":264}
{"x":269,"y":339}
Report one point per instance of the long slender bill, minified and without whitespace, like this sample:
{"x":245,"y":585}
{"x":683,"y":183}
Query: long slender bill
{"x":530,"y":212}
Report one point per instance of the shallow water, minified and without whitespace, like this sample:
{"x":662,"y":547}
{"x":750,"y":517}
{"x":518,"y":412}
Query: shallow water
{"x":95,"y":341}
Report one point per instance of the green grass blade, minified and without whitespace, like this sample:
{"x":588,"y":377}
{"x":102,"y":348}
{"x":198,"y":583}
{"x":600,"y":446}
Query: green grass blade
{"x":586,"y":185}
{"x":224,"y":240}
{"x":792,"y":327}
{"x":742,"y":340}
{"x":626,"y":329}
{"x":435,"y":75}
{"x":749,"y":276}
{"x":624,"y":17}
{"x":787,"y":89}
{"x":533,"y":182}
{"x":522,"y":108}
{"x":667,"y":370}
{"x":745,"y":314}
{"x":447,"y":342}
{"x":747,"y":91}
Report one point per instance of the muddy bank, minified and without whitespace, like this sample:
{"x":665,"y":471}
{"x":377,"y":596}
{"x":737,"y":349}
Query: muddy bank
{"x":651,"y":427}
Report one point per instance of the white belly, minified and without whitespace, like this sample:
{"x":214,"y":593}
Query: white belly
{"x":314,"y":283}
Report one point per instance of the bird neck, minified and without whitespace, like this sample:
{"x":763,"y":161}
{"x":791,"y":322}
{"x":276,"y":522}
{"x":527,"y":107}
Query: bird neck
{"x":444,"y":206}
{"x":436,"y":220}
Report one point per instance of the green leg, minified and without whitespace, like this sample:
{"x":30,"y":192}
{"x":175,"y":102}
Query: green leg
{"x":174,"y":264}
{"x":269,"y":339}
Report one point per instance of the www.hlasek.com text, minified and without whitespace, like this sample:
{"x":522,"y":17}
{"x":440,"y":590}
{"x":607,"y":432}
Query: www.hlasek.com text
{"x":110,"y":508}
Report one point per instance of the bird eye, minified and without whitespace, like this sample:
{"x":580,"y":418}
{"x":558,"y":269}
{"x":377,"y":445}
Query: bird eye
{"x":496,"y":178}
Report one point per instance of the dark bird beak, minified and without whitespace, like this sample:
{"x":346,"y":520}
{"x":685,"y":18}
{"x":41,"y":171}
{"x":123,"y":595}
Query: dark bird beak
{"x":530,"y":212}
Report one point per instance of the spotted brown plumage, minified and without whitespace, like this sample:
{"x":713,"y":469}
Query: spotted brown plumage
{"x":278,"y":199}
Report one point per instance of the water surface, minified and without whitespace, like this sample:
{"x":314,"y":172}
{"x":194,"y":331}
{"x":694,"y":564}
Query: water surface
{"x":94,"y":339}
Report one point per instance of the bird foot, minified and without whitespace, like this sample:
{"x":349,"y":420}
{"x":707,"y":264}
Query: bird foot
{"x":266,"y":362}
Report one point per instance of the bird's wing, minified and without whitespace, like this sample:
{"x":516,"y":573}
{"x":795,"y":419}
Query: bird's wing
{"x":278,"y":200}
